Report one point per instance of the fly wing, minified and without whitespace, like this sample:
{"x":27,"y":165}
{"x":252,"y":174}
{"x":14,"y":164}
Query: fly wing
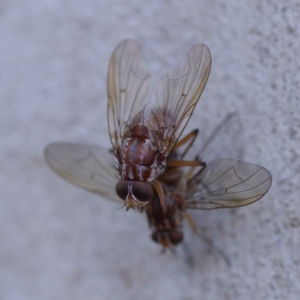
{"x":85,"y":166}
{"x":174,"y":100}
{"x":227,"y":182}
{"x":128,"y":85}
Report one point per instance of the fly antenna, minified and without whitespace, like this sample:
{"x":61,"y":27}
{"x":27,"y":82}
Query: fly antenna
{"x":119,"y":208}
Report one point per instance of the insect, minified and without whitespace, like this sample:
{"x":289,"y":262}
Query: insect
{"x":145,"y":166}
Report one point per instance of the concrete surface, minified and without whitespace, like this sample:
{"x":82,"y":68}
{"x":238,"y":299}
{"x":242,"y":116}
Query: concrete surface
{"x":59,"y":242}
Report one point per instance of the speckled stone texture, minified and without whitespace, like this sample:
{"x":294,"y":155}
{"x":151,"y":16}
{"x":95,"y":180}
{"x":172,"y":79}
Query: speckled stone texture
{"x":59,"y":242}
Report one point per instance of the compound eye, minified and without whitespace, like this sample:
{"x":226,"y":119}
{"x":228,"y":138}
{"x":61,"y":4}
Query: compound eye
{"x":143,"y":191}
{"x":122,"y":189}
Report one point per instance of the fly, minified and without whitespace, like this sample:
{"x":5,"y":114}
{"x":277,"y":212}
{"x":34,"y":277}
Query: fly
{"x":145,"y":166}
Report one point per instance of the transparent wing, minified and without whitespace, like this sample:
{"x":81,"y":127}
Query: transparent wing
{"x":227,"y":182}
{"x":85,"y":166}
{"x":128,"y":85}
{"x":173,"y":102}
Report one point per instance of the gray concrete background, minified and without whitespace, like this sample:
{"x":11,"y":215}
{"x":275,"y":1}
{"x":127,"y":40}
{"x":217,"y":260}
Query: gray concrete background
{"x":58,"y":242}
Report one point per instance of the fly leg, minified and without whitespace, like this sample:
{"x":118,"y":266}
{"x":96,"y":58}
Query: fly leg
{"x":190,"y":174}
{"x":160,"y":192}
{"x":208,"y":241}
{"x":189,"y":257}
{"x":188,"y":138}
{"x":185,"y":163}
{"x":215,"y":133}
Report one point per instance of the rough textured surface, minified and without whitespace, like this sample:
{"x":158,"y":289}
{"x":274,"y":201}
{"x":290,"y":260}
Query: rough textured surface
{"x":58,"y":242}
